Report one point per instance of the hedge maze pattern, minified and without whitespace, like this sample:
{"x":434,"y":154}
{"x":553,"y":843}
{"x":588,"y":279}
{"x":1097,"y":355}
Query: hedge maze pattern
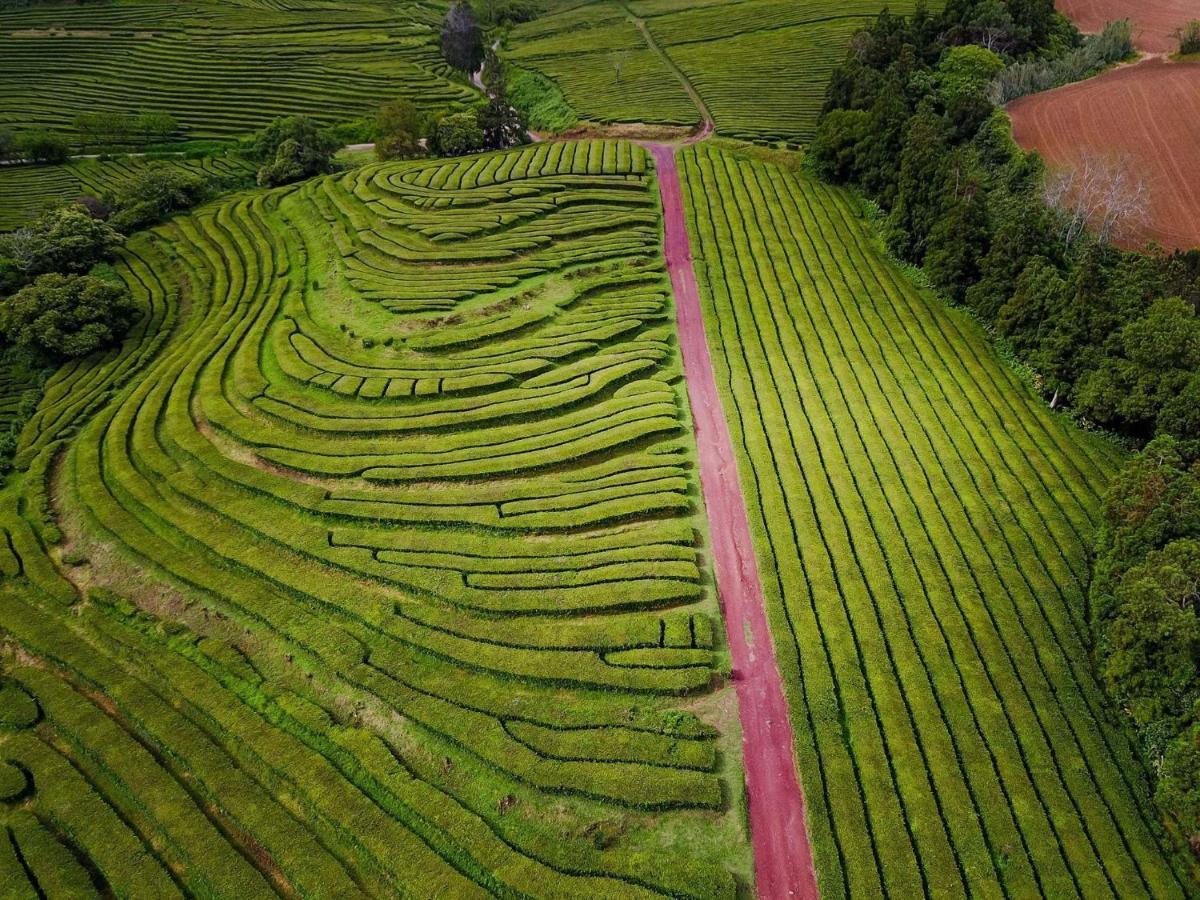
{"x":368,"y":565}
{"x":222,"y":69}
{"x":760,"y":66}
{"x":921,"y":524}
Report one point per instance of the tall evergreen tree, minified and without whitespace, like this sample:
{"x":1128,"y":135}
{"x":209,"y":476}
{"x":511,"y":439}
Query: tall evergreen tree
{"x":462,"y":41}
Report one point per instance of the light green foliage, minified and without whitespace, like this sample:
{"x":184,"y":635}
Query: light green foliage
{"x":922,"y":524}
{"x":384,"y":517}
{"x":966,"y":71}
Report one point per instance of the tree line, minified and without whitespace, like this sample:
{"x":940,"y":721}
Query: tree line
{"x":912,"y":121}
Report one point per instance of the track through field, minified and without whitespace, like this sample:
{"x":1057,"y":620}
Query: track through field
{"x":783,"y":861}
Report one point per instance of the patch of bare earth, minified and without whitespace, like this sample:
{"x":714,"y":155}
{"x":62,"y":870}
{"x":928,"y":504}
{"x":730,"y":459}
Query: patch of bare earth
{"x":1144,"y":118}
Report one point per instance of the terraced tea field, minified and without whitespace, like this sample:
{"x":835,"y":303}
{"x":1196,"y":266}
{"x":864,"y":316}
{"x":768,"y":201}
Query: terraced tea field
{"x":221,"y":69}
{"x":921,"y":524}
{"x":26,"y":191}
{"x":369,"y":564}
{"x":759,"y":67}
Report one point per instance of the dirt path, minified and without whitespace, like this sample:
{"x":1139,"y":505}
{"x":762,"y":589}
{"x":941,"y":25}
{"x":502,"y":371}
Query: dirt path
{"x":783,"y":862}
{"x":690,"y":88}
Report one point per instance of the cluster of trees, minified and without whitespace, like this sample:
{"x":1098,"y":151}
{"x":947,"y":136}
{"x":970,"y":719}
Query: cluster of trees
{"x":1145,"y":598}
{"x":910,"y":120}
{"x":50,"y":307}
{"x":37,"y":145}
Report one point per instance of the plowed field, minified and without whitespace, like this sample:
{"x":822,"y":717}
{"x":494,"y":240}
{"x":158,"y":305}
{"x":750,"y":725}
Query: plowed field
{"x":1148,"y":114}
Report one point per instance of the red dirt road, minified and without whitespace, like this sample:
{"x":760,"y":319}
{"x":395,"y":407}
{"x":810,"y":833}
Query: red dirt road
{"x":1149,"y":115}
{"x":1154,"y":21}
{"x":783,"y":862}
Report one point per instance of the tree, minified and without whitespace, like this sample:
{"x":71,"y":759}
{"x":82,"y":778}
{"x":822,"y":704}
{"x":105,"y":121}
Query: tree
{"x":398,"y":128}
{"x":500,"y":124}
{"x":156,"y":191}
{"x":65,"y":316}
{"x":1151,"y":646}
{"x":40,"y":145}
{"x":457,"y":134}
{"x":462,"y":41}
{"x":1108,"y":194}
{"x":966,"y":71}
{"x":67,"y":239}
{"x":1155,"y":357}
{"x":155,"y":127}
{"x":290,"y":149}
{"x":8,"y":144}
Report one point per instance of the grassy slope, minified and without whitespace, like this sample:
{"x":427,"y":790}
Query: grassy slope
{"x":926,"y":521}
{"x":384,"y":518}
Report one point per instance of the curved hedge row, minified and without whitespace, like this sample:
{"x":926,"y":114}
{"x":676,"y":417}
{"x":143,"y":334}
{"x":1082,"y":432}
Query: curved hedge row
{"x":380,"y":572}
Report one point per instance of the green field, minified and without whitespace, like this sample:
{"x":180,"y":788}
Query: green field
{"x":374,"y":567}
{"x":922,"y":524}
{"x":760,"y":67}
{"x":221,"y":69}
{"x":26,"y":191}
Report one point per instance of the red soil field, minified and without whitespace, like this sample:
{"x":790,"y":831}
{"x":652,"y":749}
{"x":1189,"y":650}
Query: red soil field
{"x":1155,"y":21}
{"x":1147,"y":116}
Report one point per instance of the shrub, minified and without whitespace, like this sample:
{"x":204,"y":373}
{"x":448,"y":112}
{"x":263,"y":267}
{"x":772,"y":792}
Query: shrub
{"x":65,"y":316}
{"x":539,"y":100}
{"x":457,"y":134}
{"x":1189,"y":38}
{"x":1098,"y":50}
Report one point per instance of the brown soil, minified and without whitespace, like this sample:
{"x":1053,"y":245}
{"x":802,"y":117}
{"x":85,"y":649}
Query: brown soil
{"x":1149,"y":115}
{"x":1154,"y":21}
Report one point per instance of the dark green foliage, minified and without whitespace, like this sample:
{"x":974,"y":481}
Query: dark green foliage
{"x":155,"y":192}
{"x":1189,"y":38}
{"x":1154,"y":358}
{"x":909,"y":119}
{"x":65,"y":316}
{"x":41,"y":146}
{"x":398,"y":129}
{"x":291,"y":149}
{"x":508,"y":12}
{"x":1145,"y":600}
{"x":67,"y":239}
{"x":462,"y":41}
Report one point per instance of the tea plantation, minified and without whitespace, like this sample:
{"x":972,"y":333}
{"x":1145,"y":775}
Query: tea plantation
{"x":368,"y":564}
{"x":758,"y":68}
{"x":922,"y":527}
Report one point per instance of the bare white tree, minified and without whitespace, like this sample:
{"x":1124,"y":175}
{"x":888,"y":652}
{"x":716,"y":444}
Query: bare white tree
{"x":1106,"y":193}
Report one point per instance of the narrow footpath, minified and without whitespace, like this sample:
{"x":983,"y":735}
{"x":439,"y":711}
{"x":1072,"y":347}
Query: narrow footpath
{"x":783,"y":862}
